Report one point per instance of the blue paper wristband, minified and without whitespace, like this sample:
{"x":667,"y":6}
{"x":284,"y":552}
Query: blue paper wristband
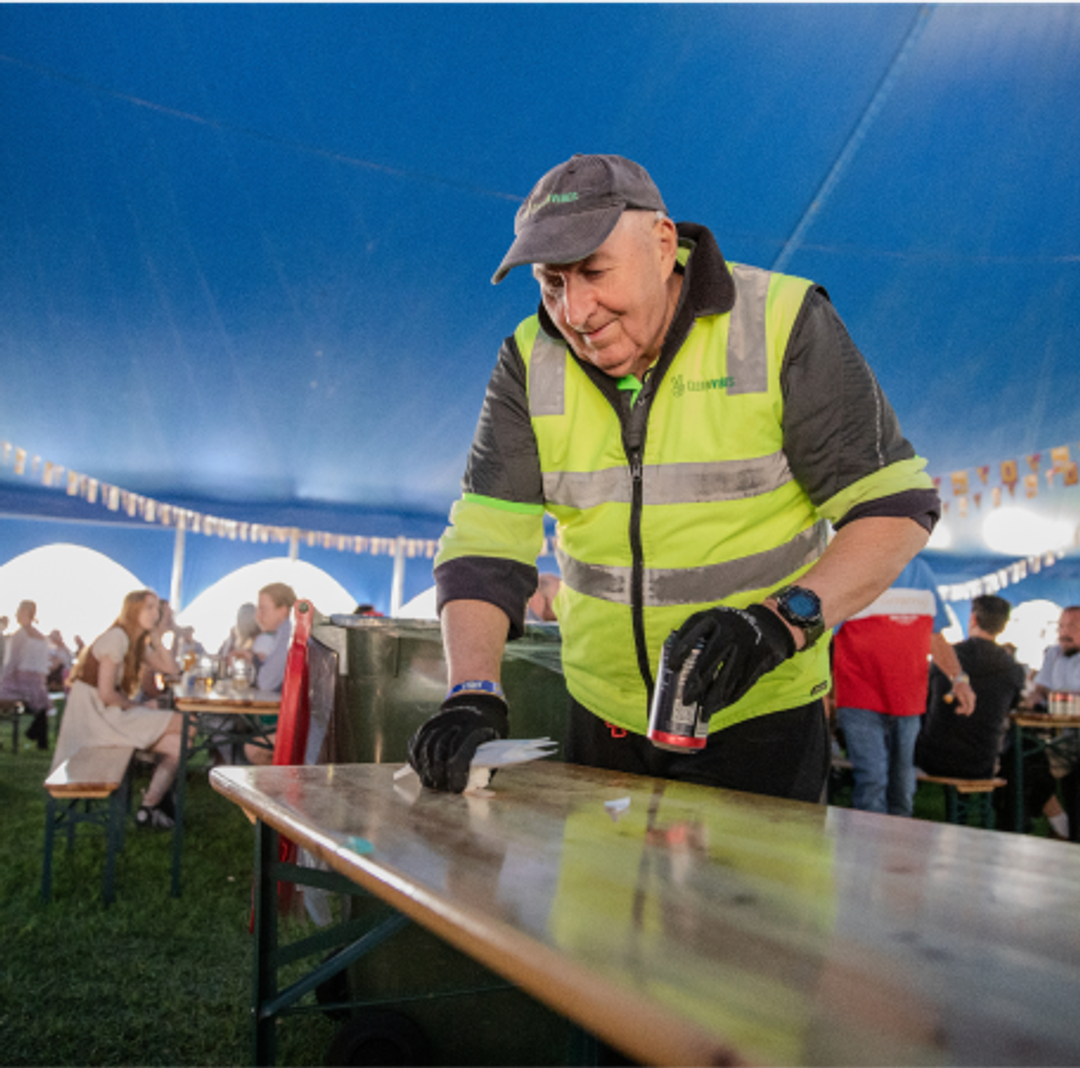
{"x":477,"y":686}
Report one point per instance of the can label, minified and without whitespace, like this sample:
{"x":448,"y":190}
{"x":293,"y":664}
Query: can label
{"x":672,"y":723}
{"x":1063,"y":704}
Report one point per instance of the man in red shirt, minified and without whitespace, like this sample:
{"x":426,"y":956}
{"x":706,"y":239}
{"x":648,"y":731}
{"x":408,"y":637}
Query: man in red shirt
{"x":880,"y":673}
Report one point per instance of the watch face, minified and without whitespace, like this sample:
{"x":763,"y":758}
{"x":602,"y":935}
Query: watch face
{"x":802,"y":604}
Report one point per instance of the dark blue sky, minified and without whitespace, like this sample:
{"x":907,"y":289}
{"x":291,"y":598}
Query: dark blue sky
{"x":247,"y":249}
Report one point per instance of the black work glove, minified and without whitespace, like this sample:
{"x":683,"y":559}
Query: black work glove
{"x":738,"y":646}
{"x":442,"y":749}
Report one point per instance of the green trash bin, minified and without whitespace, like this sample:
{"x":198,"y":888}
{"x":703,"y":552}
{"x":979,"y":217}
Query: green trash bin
{"x":395,"y":678}
{"x":426,"y":1001}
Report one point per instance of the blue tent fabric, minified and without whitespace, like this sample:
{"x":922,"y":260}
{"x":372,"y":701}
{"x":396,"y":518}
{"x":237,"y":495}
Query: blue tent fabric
{"x":247,"y":248}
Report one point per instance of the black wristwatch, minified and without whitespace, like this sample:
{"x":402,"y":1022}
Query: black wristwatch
{"x":801,"y":608}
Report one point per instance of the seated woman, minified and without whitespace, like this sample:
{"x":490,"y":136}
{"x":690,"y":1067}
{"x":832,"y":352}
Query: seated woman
{"x":241,"y":636}
{"x":26,"y":669}
{"x":159,"y":661}
{"x":102,"y":710}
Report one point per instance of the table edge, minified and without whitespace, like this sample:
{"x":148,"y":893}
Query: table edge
{"x":626,"y":1019}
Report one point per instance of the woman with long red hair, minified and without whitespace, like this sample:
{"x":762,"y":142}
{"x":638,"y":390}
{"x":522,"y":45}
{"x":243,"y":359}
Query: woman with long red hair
{"x":103,"y":706}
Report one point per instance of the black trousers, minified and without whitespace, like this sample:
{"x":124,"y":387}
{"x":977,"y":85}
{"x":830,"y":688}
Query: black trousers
{"x":782,"y":754}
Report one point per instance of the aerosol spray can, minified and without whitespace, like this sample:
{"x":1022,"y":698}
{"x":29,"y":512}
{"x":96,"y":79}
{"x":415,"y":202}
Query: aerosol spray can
{"x":674,"y":725}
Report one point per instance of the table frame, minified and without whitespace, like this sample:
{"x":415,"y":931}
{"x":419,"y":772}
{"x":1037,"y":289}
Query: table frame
{"x":353,"y":939}
{"x":1039,"y":721}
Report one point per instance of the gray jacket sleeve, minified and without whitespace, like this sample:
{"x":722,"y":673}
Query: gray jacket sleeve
{"x":504,"y":462}
{"x":838,"y":424}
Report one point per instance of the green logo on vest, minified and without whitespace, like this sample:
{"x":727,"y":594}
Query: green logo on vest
{"x":699,"y":385}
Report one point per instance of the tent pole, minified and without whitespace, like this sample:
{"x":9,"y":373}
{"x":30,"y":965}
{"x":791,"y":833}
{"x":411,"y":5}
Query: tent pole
{"x":397,"y":587}
{"x":176,"y":586}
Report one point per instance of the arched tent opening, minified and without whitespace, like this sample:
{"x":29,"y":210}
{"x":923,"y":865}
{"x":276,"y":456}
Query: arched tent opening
{"x":78,"y":591}
{"x":213,"y":612}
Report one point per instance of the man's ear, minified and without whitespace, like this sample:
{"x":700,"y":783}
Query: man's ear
{"x":668,"y":236}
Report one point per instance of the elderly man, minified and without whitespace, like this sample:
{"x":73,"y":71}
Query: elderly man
{"x":693,"y":426}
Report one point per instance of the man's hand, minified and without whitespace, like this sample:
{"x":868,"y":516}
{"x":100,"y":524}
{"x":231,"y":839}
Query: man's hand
{"x":964,"y":695}
{"x":442,"y":749}
{"x":738,"y":646}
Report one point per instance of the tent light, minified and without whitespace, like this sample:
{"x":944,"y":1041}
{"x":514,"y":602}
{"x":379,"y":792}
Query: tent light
{"x":1021,"y":532}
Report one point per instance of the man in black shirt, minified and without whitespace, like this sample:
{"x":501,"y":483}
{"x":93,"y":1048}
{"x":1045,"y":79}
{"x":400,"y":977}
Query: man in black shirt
{"x":967,"y":747}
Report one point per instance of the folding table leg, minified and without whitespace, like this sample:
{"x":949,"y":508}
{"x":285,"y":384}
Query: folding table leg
{"x":582,"y":1047}
{"x":265,"y":918}
{"x":1018,"y":778}
{"x":181,"y":798}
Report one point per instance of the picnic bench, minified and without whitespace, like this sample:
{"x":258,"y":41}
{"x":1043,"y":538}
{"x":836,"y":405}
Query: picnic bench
{"x":91,"y":787}
{"x":963,"y":797}
{"x":10,"y":712}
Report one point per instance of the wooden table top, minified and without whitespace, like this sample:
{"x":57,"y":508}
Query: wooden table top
{"x":226,"y":700}
{"x":709,"y":927}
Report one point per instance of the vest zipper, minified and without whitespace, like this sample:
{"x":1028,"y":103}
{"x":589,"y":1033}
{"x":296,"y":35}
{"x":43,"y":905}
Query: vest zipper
{"x":637,"y":567}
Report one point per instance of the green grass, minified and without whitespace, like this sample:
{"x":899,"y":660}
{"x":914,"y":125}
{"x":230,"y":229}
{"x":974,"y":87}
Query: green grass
{"x":150,"y":980}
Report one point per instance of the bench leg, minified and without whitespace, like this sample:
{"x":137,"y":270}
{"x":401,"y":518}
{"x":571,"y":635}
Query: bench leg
{"x":114,"y":842}
{"x":46,"y":862}
{"x":984,"y":810}
{"x":952,"y":805}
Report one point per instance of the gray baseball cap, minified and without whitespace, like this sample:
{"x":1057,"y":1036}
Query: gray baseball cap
{"x":574,"y":207}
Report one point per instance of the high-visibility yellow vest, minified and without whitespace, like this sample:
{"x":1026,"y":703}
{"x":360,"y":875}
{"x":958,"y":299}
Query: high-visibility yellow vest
{"x":706,"y":513}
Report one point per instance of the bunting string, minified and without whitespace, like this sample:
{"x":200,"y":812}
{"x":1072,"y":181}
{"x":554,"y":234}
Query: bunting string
{"x":1055,"y":465}
{"x":995,"y":581}
{"x":136,"y":506}
{"x":973,"y":487}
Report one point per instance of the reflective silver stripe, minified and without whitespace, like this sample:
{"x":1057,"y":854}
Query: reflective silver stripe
{"x":697,"y":585}
{"x":587,"y":489}
{"x":547,"y":376}
{"x":747,"y":359}
{"x":697,"y":483}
